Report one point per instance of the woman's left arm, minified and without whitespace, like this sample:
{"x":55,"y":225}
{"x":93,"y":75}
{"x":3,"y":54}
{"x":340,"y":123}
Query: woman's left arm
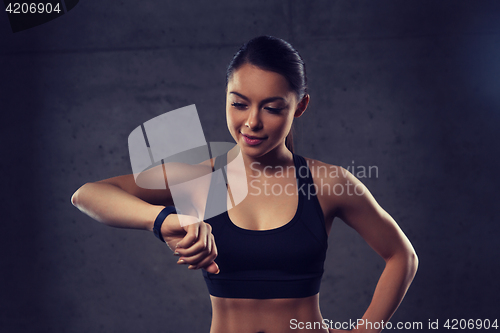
{"x":359,"y":209}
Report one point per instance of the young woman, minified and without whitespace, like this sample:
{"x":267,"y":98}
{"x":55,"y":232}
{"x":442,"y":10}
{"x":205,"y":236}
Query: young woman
{"x":262,"y":258}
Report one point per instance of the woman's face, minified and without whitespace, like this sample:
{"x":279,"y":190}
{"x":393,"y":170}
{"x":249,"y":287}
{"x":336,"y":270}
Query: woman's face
{"x":260,"y":108}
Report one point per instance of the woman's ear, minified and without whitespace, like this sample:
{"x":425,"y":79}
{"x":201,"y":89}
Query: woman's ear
{"x":302,"y":106}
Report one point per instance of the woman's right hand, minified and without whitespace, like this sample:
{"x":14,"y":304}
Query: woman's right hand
{"x":193,"y":243}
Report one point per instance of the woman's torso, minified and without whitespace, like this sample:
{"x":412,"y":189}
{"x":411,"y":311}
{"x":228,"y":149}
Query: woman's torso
{"x":231,"y":315}
{"x":267,"y":212}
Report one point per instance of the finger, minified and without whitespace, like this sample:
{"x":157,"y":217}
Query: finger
{"x":203,"y":260}
{"x":210,"y":268}
{"x":213,"y":268}
{"x":210,"y":241}
{"x":199,"y":260}
{"x":201,"y":244}
{"x":190,"y":237}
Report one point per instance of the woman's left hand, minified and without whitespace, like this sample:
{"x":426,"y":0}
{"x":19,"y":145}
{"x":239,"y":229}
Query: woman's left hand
{"x":193,"y":243}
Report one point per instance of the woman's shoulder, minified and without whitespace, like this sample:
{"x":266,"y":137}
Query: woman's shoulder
{"x":336,"y":186}
{"x":335,"y":180}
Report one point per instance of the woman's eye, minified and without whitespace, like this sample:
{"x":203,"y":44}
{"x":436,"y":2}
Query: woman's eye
{"x":238,"y":105}
{"x":274,"y":110}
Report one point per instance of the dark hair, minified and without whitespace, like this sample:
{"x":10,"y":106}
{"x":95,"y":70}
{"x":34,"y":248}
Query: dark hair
{"x":275,"y":55}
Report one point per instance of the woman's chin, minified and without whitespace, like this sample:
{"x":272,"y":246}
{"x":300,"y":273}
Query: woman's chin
{"x":252,"y":151}
{"x":258,"y":151}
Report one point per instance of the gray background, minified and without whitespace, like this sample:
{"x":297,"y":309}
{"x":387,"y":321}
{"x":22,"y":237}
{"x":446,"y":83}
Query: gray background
{"x":409,"y":86}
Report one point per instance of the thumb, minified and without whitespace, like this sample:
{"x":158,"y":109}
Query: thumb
{"x":212,"y":268}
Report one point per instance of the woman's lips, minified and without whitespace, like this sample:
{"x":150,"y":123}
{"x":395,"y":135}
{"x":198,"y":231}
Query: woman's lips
{"x":252,"y":140}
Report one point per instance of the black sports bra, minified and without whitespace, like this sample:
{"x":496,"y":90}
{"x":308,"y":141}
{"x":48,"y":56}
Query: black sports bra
{"x":285,"y":262}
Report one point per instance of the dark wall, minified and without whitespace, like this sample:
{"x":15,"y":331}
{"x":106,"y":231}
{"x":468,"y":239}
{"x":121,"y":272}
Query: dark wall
{"x":409,"y":87}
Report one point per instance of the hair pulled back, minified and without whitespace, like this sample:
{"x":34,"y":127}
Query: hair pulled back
{"x":275,"y":55}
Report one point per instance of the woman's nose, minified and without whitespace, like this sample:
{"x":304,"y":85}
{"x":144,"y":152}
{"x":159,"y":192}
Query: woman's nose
{"x":253,"y":120}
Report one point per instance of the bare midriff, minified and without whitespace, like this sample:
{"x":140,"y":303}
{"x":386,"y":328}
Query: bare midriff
{"x":230,"y":315}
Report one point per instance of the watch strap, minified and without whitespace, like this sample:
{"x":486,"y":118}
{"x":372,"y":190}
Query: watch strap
{"x":159,"y":221}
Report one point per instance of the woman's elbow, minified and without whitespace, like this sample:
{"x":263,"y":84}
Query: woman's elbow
{"x":413,"y":259}
{"x":406,"y":260}
{"x":76,"y":197}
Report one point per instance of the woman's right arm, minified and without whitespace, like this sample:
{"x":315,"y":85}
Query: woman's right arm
{"x":119,"y":202}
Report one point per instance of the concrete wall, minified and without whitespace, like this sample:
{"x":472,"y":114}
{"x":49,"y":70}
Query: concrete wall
{"x":410,"y":87}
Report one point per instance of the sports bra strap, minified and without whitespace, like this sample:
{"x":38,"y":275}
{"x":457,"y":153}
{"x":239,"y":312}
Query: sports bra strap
{"x":221,"y":163}
{"x":302,"y":172}
{"x":217,"y":192}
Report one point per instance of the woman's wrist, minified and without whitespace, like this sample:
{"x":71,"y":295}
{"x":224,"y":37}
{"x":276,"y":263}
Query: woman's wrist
{"x":164,"y":213}
{"x":152,"y":215}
